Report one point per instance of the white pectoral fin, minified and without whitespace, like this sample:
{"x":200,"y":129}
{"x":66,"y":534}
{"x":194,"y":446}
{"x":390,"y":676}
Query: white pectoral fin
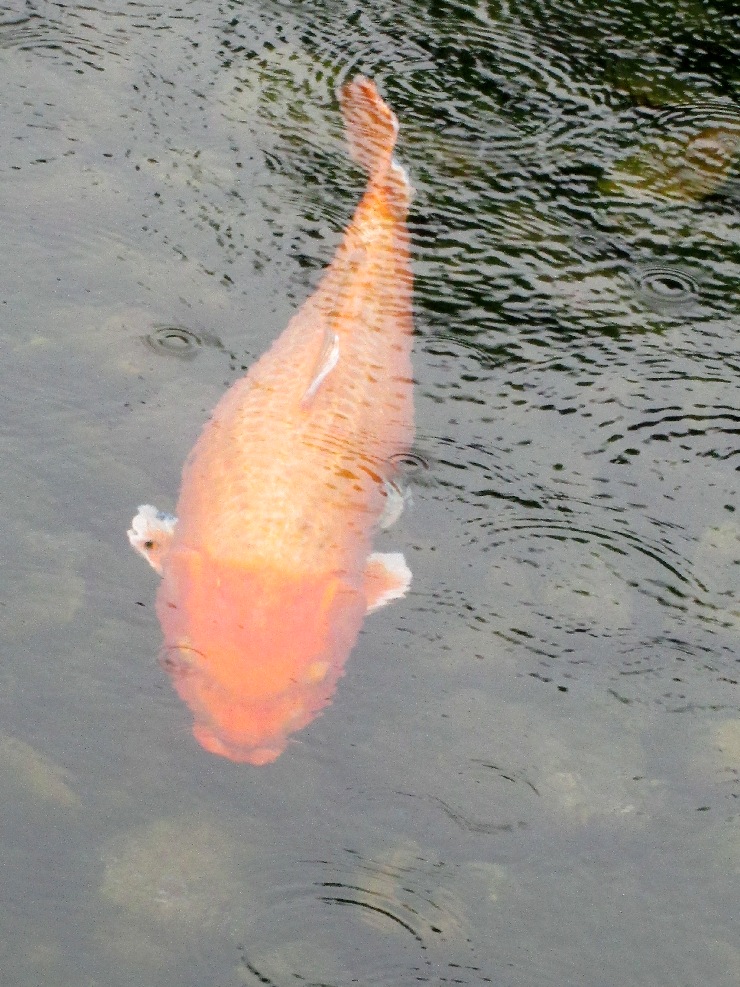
{"x":150,"y":534}
{"x":387,"y":577}
{"x":396,"y":499}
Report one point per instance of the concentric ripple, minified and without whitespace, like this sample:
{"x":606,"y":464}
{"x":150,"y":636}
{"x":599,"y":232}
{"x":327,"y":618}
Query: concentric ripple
{"x":393,"y":917}
{"x":572,"y":478}
{"x":179,"y":342}
{"x":666,"y":289}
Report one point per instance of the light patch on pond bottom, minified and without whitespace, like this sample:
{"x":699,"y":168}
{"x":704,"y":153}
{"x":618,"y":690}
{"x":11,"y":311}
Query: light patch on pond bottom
{"x":178,"y":874}
{"x":23,"y":767}
{"x":717,"y":563}
{"x":726,"y":741}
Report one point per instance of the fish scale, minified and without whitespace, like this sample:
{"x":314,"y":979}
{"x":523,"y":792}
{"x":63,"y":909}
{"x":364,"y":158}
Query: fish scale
{"x":331,"y":454}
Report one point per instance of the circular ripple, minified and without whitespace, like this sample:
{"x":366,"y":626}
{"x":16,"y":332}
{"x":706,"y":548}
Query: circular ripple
{"x":692,"y":117}
{"x":409,"y":464}
{"x":391,"y":917}
{"x":666,"y":287}
{"x":178,"y":341}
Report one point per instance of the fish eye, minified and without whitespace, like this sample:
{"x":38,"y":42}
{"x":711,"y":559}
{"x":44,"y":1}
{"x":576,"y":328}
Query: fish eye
{"x":149,"y":544}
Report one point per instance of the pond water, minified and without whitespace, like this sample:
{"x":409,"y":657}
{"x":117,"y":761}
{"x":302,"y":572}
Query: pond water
{"x":531,"y":770}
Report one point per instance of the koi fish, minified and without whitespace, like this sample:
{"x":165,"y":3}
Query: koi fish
{"x":268,"y":569}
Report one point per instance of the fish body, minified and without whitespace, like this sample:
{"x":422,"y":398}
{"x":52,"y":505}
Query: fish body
{"x":268,"y":571}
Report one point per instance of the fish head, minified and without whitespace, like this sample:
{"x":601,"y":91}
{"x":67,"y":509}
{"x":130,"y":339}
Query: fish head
{"x":255,"y":652}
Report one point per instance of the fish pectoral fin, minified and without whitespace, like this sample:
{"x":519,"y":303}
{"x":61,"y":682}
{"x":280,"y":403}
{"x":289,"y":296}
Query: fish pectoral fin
{"x":150,"y":534}
{"x":396,"y":499}
{"x":387,"y":577}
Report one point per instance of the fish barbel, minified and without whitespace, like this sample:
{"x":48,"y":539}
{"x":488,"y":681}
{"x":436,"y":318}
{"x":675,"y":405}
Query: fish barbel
{"x":268,"y":569}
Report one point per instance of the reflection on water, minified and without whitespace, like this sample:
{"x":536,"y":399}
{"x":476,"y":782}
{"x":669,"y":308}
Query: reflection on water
{"x":536,"y":754}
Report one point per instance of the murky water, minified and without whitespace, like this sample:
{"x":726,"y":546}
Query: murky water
{"x":530,"y":773}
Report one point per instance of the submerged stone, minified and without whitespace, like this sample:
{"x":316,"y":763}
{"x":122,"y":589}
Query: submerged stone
{"x":175,"y":873}
{"x":41,"y":779}
{"x":687,"y":164}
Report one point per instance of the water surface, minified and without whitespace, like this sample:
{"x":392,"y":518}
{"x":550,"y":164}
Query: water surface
{"x":530,"y":771}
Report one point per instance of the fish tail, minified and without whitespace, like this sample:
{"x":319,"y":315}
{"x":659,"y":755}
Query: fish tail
{"x":372,"y":128}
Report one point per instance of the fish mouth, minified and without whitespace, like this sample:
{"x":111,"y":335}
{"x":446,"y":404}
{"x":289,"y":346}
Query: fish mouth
{"x":241,"y":753}
{"x":186,"y":667}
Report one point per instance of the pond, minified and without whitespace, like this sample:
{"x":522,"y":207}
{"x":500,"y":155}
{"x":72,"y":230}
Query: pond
{"x":530,"y":770}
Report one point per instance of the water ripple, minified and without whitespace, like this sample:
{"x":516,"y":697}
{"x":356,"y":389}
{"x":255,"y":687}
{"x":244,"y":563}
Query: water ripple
{"x":179,"y":342}
{"x":571,"y":478}
{"x":84,"y":37}
{"x":665,"y":286}
{"x":399,"y":915}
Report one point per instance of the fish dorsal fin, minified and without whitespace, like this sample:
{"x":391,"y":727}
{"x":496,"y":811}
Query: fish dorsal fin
{"x":327,"y":361}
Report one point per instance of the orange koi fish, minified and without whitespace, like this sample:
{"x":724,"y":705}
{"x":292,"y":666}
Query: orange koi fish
{"x":268,"y":569}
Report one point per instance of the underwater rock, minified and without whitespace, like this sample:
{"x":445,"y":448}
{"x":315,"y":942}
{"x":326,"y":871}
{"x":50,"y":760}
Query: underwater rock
{"x":21,"y":766}
{"x":594,"y":771}
{"x":176,"y":873}
{"x":717,"y":564}
{"x":683,"y":162}
{"x":589,"y":594}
